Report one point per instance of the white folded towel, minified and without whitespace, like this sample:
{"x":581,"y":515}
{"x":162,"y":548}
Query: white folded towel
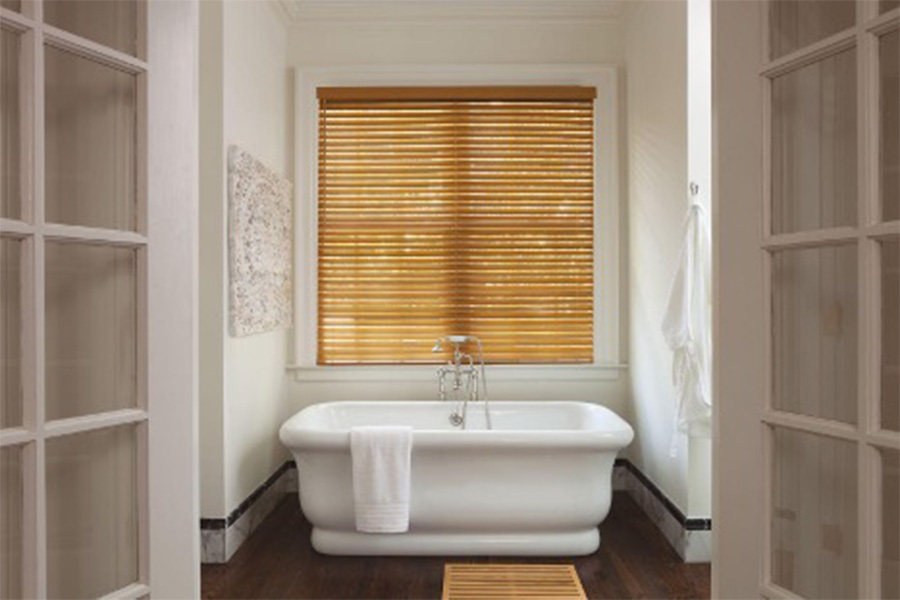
{"x":381,"y":465}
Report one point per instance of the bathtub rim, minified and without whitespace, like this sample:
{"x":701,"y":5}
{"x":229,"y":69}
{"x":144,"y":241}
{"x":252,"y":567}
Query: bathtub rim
{"x":299,"y":436}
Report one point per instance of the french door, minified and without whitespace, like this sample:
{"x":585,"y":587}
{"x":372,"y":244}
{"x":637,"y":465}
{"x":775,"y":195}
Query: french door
{"x":86,"y":190}
{"x":808,"y":181}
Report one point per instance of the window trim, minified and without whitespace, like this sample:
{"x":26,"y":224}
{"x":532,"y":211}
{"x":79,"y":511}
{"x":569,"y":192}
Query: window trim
{"x":607,"y":248}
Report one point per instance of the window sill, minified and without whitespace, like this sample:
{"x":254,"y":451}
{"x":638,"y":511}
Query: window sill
{"x":413,"y":373}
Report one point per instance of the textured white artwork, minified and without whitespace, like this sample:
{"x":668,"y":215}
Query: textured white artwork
{"x":259,"y":246}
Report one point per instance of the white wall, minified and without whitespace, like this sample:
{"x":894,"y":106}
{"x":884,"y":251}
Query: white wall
{"x":247,"y":99}
{"x":669,"y":144}
{"x":245,"y":391}
{"x":257,"y":118}
{"x":243,"y":385}
{"x":212,"y":266}
{"x":459,"y":41}
{"x":657,"y":124}
{"x":386,"y":42}
{"x":699,"y":26}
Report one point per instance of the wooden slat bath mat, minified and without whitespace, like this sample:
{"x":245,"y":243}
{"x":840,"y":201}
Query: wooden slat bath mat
{"x":511,"y":582}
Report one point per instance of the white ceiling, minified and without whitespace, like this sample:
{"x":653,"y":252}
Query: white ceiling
{"x":453,"y":9}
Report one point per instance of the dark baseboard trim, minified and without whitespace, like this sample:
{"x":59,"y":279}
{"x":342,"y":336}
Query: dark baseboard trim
{"x":689,"y":524}
{"x":213,"y":524}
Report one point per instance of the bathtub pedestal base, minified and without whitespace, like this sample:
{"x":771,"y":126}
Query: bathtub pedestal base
{"x":351,"y":543}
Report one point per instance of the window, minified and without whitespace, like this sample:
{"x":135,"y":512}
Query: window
{"x":456,"y":210}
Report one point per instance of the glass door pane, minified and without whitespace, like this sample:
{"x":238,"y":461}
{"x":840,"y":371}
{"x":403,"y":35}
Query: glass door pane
{"x":814,"y":145}
{"x":91,"y":330}
{"x":814,"y":512}
{"x":113,"y":23}
{"x":890,"y":335}
{"x":10,"y":198}
{"x":814,"y":332}
{"x":92,"y":518}
{"x":11,"y":520}
{"x":10,"y":333}
{"x":889,"y":84}
{"x":797,"y":23}
{"x":890,"y":530}
{"x":91,"y":128}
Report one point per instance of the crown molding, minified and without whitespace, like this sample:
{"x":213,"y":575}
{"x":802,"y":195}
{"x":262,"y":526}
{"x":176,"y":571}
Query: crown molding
{"x":385,"y":10}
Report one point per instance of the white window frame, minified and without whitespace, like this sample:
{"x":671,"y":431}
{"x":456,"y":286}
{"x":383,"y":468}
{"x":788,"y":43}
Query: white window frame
{"x":607,"y":255}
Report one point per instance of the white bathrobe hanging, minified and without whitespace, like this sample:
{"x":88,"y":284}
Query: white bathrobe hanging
{"x":687,"y":331}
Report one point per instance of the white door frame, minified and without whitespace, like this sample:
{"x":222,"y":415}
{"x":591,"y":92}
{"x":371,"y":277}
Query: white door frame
{"x":173,"y":226}
{"x":739,"y":372}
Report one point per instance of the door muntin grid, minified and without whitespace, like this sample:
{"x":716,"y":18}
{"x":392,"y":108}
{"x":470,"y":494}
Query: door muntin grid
{"x":73,"y":453}
{"x":846,"y":551}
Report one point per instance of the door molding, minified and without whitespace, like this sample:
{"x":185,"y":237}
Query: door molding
{"x":737,"y":297}
{"x":172,"y":226}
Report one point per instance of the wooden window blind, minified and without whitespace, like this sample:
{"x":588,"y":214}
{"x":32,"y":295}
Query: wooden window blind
{"x":455,"y":211}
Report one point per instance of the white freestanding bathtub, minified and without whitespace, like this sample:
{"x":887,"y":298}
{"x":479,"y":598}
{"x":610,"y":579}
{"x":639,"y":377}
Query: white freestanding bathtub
{"x":538,"y":484}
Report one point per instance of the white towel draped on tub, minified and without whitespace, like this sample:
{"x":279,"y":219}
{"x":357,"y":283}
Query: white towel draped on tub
{"x":381,"y":464}
{"x":687,"y":332}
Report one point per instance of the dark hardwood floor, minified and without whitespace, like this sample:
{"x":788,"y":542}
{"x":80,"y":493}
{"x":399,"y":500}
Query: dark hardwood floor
{"x":277,"y":561}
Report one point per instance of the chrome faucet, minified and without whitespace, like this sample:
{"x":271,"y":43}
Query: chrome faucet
{"x":465,"y":378}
